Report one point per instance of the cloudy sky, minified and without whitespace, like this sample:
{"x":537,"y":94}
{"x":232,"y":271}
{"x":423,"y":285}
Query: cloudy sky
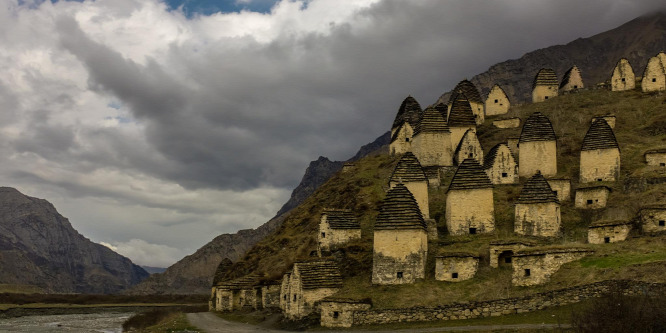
{"x":156,"y":125}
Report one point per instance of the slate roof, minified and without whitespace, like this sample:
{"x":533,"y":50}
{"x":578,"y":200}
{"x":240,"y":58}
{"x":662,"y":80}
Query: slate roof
{"x":341,"y":219}
{"x":599,"y":136}
{"x":468,"y":89}
{"x":319,"y":274}
{"x":594,"y":187}
{"x":489,"y":160}
{"x":461,"y":114}
{"x":431,"y":122}
{"x":469,"y":175}
{"x":655,"y":151}
{"x":245,"y":282}
{"x":457,"y":255}
{"x":408,"y":169}
{"x":608,"y":223}
{"x":443,"y":109}
{"x":410,"y":111}
{"x":537,"y":127}
{"x":545,"y":77}
{"x":537,"y":190}
{"x":567,"y":76}
{"x":399,"y":210}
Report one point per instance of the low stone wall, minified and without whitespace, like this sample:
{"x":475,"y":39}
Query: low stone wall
{"x":507,"y":306}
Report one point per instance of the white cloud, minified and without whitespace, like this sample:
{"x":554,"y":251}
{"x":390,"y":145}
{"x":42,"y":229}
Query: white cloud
{"x":144,"y":253}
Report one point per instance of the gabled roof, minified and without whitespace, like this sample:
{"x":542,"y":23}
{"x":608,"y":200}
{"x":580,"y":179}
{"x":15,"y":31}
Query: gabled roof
{"x":599,"y":136}
{"x":399,"y":210}
{"x":464,"y":138}
{"x":341,"y":219}
{"x":408,"y":169}
{"x":489,"y":160}
{"x":468,"y":89}
{"x":500,"y":88}
{"x":470,"y":175}
{"x":545,"y":77}
{"x":431,"y":122}
{"x":396,"y":134}
{"x":320,"y":273}
{"x":245,"y":282}
{"x":461,"y":114}
{"x":537,"y":127}
{"x":409,"y":111}
{"x":567,"y":76}
{"x":537,"y":190}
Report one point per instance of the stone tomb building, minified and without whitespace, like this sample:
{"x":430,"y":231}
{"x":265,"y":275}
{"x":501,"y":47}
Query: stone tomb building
{"x":238,"y":294}
{"x":623,"y":77}
{"x":653,"y":218}
{"x":654,"y":76}
{"x":497,"y":102}
{"x":572,"y":80}
{"x":310,"y":282}
{"x":600,"y":154}
{"x":432,"y":139}
{"x":561,"y":187}
{"x":656,"y":157}
{"x":402,"y":129}
{"x":501,"y":251}
{"x":400,"y":245}
{"x":545,"y":85}
{"x":500,"y":165}
{"x":337,"y":226}
{"x":339,"y":312}
{"x":601,"y":232}
{"x":409,"y":172}
{"x":461,"y":119}
{"x":469,"y":91}
{"x":536,"y":266}
{"x":538,"y":147}
{"x":469,"y":202}
{"x":469,"y":147}
{"x":537,"y":211}
{"x":592,"y":197}
{"x":456,"y":266}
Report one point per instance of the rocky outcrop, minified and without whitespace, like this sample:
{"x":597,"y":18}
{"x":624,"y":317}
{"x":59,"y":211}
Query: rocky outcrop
{"x":38,"y":246}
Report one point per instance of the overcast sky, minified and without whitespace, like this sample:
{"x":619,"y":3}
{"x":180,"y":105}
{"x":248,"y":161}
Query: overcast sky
{"x":156,"y":126}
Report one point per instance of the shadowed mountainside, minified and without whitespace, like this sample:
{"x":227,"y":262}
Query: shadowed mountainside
{"x":38,"y":246}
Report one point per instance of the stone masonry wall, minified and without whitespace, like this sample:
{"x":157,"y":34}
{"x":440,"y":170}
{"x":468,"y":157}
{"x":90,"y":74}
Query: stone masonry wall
{"x":507,"y":123}
{"x":433,"y":149}
{"x":592,"y":198}
{"x":473,"y":208}
{"x":543,"y":92}
{"x":537,"y":219}
{"x":653,"y":219}
{"x":615,"y":233}
{"x":399,"y":250}
{"x":623,"y":77}
{"x":534,"y":269}
{"x":562,"y":187}
{"x":654,"y":78}
{"x":497,"y":102}
{"x":403,"y":143}
{"x":455,"y":269}
{"x":655,"y":159}
{"x":599,"y":165}
{"x":505,"y":306}
{"x":537,"y":155}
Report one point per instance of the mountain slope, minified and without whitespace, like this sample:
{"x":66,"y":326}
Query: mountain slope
{"x":38,"y":246}
{"x":596,"y":56}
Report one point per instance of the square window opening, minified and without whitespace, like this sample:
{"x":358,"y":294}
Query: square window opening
{"x":406,"y":139}
{"x":336,"y":314}
{"x":662,"y":223}
{"x":507,"y":260}
{"x":527,"y":272}
{"x":546,"y":97}
{"x":662,"y":164}
{"x":623,"y":79}
{"x":606,"y":239}
{"x":294,"y":297}
{"x":589,"y":202}
{"x":504,"y":175}
{"x":555,"y":193}
{"x":399,"y":275}
{"x":323,"y":235}
{"x":472,"y":231}
{"x":654,"y":79}
{"x":471,"y":155}
{"x":575,"y":87}
{"x":454,"y":275}
{"x":496,"y":101}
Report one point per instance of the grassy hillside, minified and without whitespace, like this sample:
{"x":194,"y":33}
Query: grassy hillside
{"x":641,"y":125}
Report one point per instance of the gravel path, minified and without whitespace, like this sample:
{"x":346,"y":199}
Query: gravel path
{"x":210,"y":323}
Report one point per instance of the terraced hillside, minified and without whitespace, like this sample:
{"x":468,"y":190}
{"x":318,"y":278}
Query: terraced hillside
{"x":640,"y":126}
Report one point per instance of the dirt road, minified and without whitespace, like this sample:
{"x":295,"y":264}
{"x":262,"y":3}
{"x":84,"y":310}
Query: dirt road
{"x":210,"y":323}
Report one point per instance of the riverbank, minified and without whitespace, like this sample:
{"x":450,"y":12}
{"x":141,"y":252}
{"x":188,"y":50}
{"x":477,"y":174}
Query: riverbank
{"x":41,"y":309}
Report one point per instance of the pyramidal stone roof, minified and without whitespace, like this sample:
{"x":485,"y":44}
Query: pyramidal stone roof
{"x":443,"y":109}
{"x":341,"y":219}
{"x":537,"y":190}
{"x":399,"y":210}
{"x":600,"y":136}
{"x":537,"y":127}
{"x":489,"y":160}
{"x":468,"y":89}
{"x":567,"y":75}
{"x":409,"y":111}
{"x":408,"y":169}
{"x":319,"y":274}
{"x":461,"y":114}
{"x":431,"y":122}
{"x":545,"y":77}
{"x":470,"y":175}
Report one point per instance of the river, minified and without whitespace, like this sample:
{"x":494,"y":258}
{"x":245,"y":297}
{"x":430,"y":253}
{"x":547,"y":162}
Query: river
{"x":103,"y":322}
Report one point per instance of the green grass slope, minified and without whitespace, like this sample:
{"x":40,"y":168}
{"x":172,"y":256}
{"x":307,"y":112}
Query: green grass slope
{"x":641,"y":125}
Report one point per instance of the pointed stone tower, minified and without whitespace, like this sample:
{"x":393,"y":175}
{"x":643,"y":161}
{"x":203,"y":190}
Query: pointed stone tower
{"x":432,"y":139}
{"x":572,"y":80}
{"x":654,"y":77}
{"x":545,"y":85}
{"x":461,"y":119}
{"x":538,"y":147}
{"x":537,"y":209}
{"x":469,"y":201}
{"x":600,"y":154}
{"x":409,"y":173}
{"x":402,"y":130}
{"x":623,"y":77}
{"x":468,"y":89}
{"x":500,"y":165}
{"x":400,"y":245}
{"x":497,"y":102}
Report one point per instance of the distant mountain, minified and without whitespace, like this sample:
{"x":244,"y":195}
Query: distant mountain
{"x":39,"y":247}
{"x":153,"y":270}
{"x":596,"y":56}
